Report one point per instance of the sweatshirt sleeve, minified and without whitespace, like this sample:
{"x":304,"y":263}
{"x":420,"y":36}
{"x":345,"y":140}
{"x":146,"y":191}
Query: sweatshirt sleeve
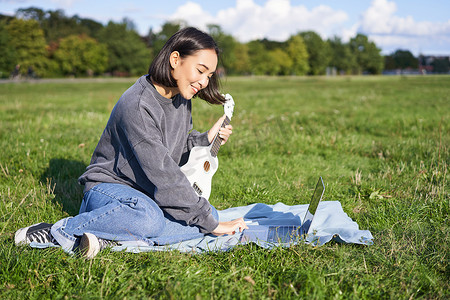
{"x":172,"y":192}
{"x":196,"y":138}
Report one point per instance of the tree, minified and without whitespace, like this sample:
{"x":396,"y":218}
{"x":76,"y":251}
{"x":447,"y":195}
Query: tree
{"x":281,"y":63}
{"x":441,"y":65}
{"x":8,"y":59}
{"x":89,"y":27}
{"x":389,"y":63}
{"x":260,"y":60}
{"x":341,"y":56}
{"x":27,"y":39}
{"x":6,"y":19}
{"x":81,"y":55}
{"x":241,"y":62}
{"x":318,"y":52}
{"x":296,"y":49}
{"x":32,"y":13}
{"x":56,"y":24}
{"x":168,"y":29}
{"x":272,"y":45}
{"x":404,"y":59}
{"x":127,"y":52}
{"x":367,"y":55}
{"x":227,"y":45}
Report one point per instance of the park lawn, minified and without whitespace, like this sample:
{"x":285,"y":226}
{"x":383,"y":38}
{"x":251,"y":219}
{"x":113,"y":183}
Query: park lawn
{"x":380,"y":143}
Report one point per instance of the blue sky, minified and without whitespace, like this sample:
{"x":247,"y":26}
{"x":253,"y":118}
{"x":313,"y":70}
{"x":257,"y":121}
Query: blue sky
{"x":416,"y":25}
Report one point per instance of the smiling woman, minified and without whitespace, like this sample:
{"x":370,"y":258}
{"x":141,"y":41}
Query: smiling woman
{"x":183,"y":63}
{"x":134,"y":187}
{"x":192,"y":73}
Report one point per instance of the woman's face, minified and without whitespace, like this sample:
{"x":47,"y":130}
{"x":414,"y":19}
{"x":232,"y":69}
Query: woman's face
{"x":192,"y":73}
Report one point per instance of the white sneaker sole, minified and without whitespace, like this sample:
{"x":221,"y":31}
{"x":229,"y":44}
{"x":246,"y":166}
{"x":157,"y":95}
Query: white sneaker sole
{"x":20,"y":238}
{"x":89,"y":245}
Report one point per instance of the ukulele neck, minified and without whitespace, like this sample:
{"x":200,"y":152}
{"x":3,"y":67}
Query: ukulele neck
{"x":215,"y":146}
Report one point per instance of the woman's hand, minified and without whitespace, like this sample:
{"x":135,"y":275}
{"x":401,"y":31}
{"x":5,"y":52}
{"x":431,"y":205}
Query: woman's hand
{"x":224,"y":132}
{"x":230,"y":227}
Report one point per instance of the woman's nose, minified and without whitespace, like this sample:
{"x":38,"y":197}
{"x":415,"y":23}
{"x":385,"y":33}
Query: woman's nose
{"x":204,"y":82}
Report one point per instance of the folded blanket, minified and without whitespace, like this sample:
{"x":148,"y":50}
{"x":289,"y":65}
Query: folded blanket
{"x":330,"y":222}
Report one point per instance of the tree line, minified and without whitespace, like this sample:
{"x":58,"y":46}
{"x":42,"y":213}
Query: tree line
{"x":42,"y":43}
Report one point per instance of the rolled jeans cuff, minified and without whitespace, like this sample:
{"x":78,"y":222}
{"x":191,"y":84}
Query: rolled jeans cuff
{"x":66,"y":241}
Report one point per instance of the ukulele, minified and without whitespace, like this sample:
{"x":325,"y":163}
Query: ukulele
{"x":203,"y":162}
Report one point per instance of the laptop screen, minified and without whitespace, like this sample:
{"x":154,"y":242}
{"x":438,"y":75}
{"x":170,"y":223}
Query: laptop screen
{"x":285,"y":233}
{"x":317,"y":196}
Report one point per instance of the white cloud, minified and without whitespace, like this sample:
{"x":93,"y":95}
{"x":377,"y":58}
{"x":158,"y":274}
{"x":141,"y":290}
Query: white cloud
{"x":279,"y":19}
{"x":64,"y":3}
{"x":275,"y":20}
{"x":192,"y":13}
{"x":348,"y":33}
{"x":380,"y":18}
{"x":376,"y":18}
{"x":391,"y":32}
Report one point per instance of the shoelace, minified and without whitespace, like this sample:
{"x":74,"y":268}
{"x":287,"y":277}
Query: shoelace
{"x":41,"y":236}
{"x":107,"y":244}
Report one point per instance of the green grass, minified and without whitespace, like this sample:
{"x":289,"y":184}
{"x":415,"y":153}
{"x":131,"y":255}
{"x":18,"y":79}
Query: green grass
{"x":381,"y":144}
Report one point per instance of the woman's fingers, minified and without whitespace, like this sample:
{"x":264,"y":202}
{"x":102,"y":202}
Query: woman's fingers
{"x":239,"y":225}
{"x":230,"y":227}
{"x":215,"y":129}
{"x":225,"y":132}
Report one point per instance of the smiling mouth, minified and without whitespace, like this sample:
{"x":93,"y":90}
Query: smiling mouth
{"x":195,"y":89}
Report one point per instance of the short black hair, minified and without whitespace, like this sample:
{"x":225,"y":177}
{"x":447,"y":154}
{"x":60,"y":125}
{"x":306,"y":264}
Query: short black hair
{"x":186,"y":41}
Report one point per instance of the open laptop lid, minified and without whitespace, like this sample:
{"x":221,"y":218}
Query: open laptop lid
{"x":310,"y":212}
{"x":285,"y":233}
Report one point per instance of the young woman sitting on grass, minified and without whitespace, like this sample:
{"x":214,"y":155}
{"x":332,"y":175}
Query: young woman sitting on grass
{"x":134,"y":188}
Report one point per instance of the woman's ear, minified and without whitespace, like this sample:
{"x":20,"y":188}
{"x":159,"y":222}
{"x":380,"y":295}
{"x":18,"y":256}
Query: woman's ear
{"x":174,"y":59}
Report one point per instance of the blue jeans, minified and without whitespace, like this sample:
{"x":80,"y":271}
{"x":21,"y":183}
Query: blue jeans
{"x":120,"y":213}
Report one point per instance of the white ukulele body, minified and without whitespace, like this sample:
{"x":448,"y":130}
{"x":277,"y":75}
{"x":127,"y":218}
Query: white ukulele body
{"x":200,"y":169}
{"x":203,"y":162}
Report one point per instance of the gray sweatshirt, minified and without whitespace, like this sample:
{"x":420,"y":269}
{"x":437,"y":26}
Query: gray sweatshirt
{"x":142,"y":146}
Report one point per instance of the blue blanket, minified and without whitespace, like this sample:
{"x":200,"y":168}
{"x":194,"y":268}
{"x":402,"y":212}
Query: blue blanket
{"x":330,"y":223}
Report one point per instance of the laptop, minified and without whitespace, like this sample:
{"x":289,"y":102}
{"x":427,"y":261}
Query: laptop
{"x":285,"y":233}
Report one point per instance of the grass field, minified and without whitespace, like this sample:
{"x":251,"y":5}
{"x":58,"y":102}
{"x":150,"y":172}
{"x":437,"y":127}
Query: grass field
{"x":381,"y":144}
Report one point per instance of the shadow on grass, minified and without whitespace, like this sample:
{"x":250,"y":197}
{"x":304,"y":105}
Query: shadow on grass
{"x":62,"y":176}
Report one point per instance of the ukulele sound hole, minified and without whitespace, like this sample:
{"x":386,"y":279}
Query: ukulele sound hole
{"x":206,"y":166}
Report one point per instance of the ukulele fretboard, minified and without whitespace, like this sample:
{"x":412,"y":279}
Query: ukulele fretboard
{"x":218,"y":140}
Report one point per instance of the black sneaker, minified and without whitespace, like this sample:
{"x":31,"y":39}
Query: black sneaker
{"x":90,"y":245}
{"x":39,"y":233}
